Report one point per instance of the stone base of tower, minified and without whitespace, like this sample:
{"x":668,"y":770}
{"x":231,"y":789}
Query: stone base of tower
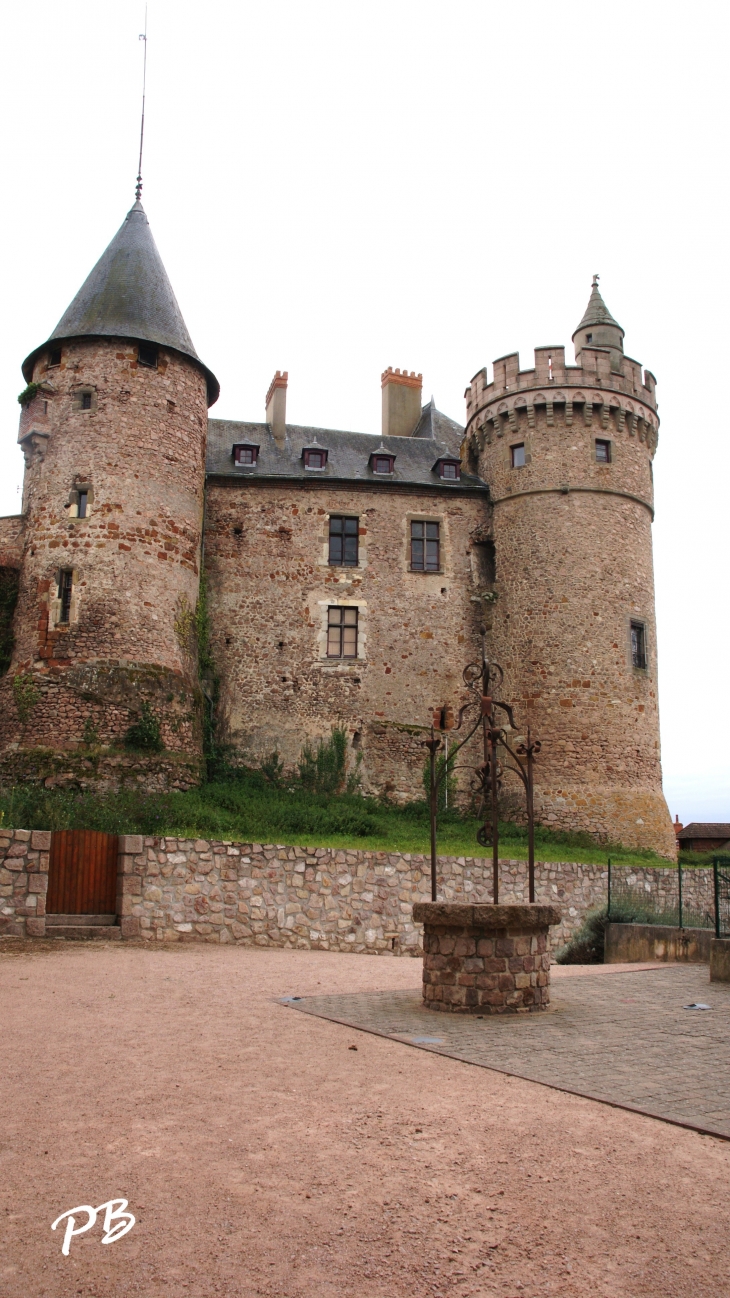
{"x":100,"y":770}
{"x":636,"y":817}
{"x":66,"y":727}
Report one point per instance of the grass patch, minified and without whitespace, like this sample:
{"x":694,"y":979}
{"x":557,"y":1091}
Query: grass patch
{"x":245,"y":806}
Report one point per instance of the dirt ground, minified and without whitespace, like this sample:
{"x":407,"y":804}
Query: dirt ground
{"x":260,"y":1154}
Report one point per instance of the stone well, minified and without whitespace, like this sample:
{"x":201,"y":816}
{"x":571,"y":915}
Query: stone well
{"x":486,"y":959}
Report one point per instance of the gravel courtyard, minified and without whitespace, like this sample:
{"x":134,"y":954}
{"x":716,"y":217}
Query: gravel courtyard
{"x":261,"y":1154}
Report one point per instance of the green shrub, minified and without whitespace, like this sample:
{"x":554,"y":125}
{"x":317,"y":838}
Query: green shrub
{"x":144,"y":733}
{"x":324,"y":769}
{"x":587,"y":944}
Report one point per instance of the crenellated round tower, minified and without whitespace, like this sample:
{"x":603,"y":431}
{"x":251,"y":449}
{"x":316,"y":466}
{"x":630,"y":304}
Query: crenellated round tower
{"x":567,"y":451}
{"x":113,"y":429}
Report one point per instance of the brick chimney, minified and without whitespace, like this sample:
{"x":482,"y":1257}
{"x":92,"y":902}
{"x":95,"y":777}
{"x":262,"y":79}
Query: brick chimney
{"x":401,"y":402}
{"x":276,"y":405}
{"x":677,"y":827}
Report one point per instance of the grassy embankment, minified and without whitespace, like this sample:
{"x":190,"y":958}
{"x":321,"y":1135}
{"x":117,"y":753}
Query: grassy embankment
{"x":245,"y":807}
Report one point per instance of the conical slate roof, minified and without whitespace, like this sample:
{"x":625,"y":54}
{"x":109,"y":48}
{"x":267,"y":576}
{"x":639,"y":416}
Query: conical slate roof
{"x":128,"y":295}
{"x":597,"y":313}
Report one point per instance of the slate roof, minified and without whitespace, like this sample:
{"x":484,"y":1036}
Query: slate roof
{"x":128,"y":295}
{"x":699,"y":829}
{"x":349,"y":454}
{"x":596,"y":313}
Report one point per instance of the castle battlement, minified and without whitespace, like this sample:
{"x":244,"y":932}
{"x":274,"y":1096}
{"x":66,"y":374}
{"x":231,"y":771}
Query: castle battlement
{"x":594,"y":388}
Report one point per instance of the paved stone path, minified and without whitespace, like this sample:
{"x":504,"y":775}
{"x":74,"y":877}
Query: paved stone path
{"x":625,"y":1039}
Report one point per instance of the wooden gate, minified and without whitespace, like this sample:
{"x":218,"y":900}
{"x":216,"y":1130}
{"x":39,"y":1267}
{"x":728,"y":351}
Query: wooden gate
{"x":82,"y":873}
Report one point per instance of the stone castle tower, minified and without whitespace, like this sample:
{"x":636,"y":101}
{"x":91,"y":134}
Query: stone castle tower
{"x":113,"y":430}
{"x":567,"y":452}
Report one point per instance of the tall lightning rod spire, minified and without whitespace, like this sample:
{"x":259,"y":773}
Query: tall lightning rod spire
{"x":142,"y":37}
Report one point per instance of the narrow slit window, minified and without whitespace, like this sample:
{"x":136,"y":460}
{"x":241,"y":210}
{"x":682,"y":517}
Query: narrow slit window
{"x":86,"y":401}
{"x":638,"y":644}
{"x":147,"y":355}
{"x":425,"y":547}
{"x":65,"y":591}
{"x":343,"y":541}
{"x":341,"y":632}
{"x":518,"y":455}
{"x":83,"y":503}
{"x":603,"y":451}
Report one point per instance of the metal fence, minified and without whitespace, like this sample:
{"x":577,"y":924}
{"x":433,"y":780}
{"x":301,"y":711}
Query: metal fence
{"x":721,"y":879}
{"x":681,"y":898}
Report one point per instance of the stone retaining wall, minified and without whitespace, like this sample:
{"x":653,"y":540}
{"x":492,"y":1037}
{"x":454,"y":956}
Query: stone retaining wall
{"x":198,"y":890}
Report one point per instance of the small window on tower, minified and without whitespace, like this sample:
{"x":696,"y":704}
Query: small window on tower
{"x":603,"y":451}
{"x":83,"y":504}
{"x":147,"y":355}
{"x":54,"y":356}
{"x":65,"y":591}
{"x":638,"y":644}
{"x":517,"y":454}
{"x":589,"y":338}
{"x":343,"y":541}
{"x":341,"y":632}
{"x":86,"y":401}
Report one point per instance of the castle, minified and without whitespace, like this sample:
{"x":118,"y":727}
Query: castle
{"x":347,"y":575}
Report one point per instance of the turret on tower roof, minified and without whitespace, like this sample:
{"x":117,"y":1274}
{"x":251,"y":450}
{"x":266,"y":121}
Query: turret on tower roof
{"x":599,"y":329}
{"x":128,"y":295}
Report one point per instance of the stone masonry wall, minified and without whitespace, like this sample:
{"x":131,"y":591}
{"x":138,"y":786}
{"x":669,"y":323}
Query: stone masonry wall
{"x":270,"y":586}
{"x":172,"y":890}
{"x":336,"y":900}
{"x":138,"y":451}
{"x":24,"y":856}
{"x":573,"y":555}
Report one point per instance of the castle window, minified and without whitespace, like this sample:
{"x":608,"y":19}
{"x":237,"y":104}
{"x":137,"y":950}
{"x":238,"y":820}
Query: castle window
{"x":246,"y":454}
{"x":425,"y":547}
{"x":517,"y":455}
{"x":343,"y":541}
{"x":589,"y":338}
{"x":603,"y":451}
{"x":448,"y":469}
{"x":147,"y":355}
{"x":54,"y":356}
{"x":638,"y":644}
{"x":382,"y":463}
{"x":341,"y":632}
{"x":83,"y":504}
{"x":314,"y":457}
{"x":86,"y":401}
{"x":65,"y":591}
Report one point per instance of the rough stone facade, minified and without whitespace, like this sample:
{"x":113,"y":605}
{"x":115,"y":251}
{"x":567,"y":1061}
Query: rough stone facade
{"x":270,"y":589}
{"x":572,"y":537}
{"x":138,"y":452}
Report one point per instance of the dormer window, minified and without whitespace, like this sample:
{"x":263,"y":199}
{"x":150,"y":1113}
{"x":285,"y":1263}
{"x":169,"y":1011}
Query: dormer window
{"x":246,"y":455}
{"x":54,"y":356}
{"x":382,"y":463}
{"x":448,"y":469}
{"x":315,"y":457}
{"x":147,"y":355}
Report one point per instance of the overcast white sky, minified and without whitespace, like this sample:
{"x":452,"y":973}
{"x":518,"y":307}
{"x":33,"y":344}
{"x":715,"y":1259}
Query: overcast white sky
{"x":336,"y":187}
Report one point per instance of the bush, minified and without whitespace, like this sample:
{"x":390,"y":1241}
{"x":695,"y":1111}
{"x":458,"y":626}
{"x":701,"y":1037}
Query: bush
{"x":324,"y":769}
{"x":144,"y":734}
{"x":587,"y":945}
